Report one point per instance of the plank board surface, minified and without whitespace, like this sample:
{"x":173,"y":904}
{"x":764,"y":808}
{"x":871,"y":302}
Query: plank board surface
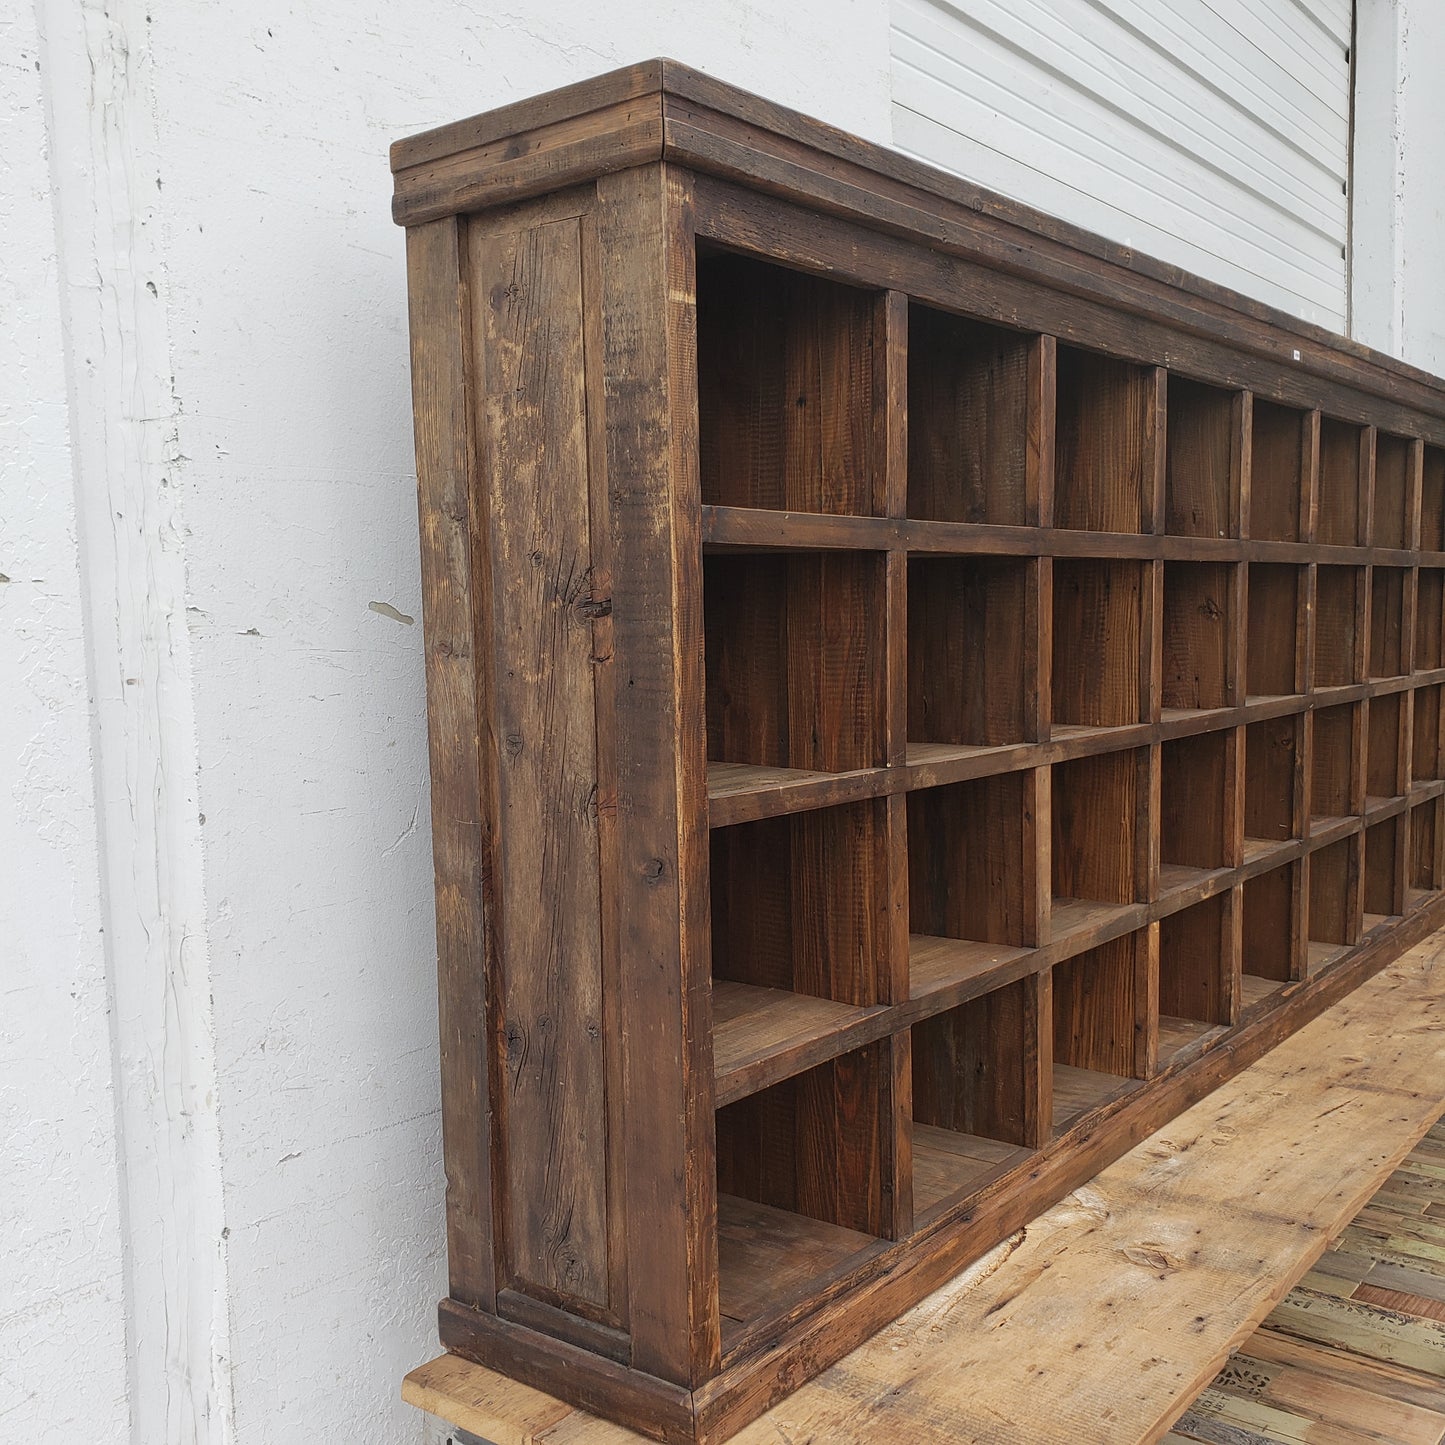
{"x":1104,"y":1318}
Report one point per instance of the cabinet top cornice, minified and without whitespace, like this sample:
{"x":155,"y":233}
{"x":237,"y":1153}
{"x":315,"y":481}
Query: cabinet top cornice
{"x":660,"y":110}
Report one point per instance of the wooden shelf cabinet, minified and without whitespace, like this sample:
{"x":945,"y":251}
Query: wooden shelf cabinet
{"x":916,"y":694}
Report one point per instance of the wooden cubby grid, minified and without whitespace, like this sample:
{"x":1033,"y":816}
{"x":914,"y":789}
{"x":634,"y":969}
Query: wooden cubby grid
{"x":971,"y":732}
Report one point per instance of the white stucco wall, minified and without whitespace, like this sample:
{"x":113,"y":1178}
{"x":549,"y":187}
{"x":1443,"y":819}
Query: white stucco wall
{"x":233,"y":295}
{"x":1398,"y":273}
{"x":62,"y":1321}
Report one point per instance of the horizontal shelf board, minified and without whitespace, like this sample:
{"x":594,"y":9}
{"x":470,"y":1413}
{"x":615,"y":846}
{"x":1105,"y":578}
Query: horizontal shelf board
{"x":1080,"y":923}
{"x":932,"y":755}
{"x":1426,"y":788}
{"x":1180,"y":886}
{"x":1417,"y":898}
{"x":762,"y":1035}
{"x":768,"y":1257}
{"x":1324,"y":831}
{"x":1378,"y":809}
{"x":1180,"y":1039}
{"x":743,"y":793}
{"x":1079,"y":1091}
{"x":1257,"y":850}
{"x":762,"y":528}
{"x":1322,"y":955}
{"x":948,"y":1167}
{"x":1254,"y":990}
{"x":769,"y":529}
{"x":1379,"y":920}
{"x":961,"y":967}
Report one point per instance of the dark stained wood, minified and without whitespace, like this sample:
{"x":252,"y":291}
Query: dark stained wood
{"x":1105,"y":432}
{"x":1098,"y":677}
{"x":1273,"y":925}
{"x":461,"y":836}
{"x":530,"y":378}
{"x":1339,"y":626}
{"x":1200,"y":660}
{"x":646,"y":287}
{"x":1196,"y":962}
{"x":1336,"y":751}
{"x":1202,"y":458}
{"x":987,"y":686}
{"x":971,"y":670}
{"x":976,"y":1068}
{"x":1274,"y":652}
{"x":1334,"y":893}
{"x":968,"y":421}
{"x":785,"y":374}
{"x":1277,"y":472}
{"x":1194,"y":829}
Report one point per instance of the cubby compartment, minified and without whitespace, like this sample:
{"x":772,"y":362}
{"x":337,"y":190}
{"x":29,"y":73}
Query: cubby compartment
{"x":1271,"y":780}
{"x":979,"y":1097}
{"x":1198,"y":634}
{"x":795,"y":661}
{"x":1337,"y":626}
{"x":1098,"y":673}
{"x":1427,"y":862}
{"x":1271,"y":931}
{"x":1432,"y":501}
{"x":1106,"y":441}
{"x":1195,"y":784}
{"x":1098,"y":853}
{"x":1335,"y":778}
{"x":1200,"y":458}
{"x":1273,"y":664}
{"x":1340,"y":521}
{"x":1394,"y":463}
{"x":1387,"y":655}
{"x":807,"y":1177}
{"x":1196,"y":983}
{"x":1102,"y":1023}
{"x":972,"y":879}
{"x":1429,"y":610}
{"x":801,"y":904}
{"x":1279,"y":440}
{"x":1385,"y":773}
{"x":1426,"y":735}
{"x":1384,"y":872}
{"x":786,"y":389}
{"x":973,"y":659}
{"x":968,"y":420}
{"x":1334,"y":901}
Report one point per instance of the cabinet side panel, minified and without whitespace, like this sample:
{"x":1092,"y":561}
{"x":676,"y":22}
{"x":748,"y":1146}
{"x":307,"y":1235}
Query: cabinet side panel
{"x":459,"y":828}
{"x":551,"y":1074}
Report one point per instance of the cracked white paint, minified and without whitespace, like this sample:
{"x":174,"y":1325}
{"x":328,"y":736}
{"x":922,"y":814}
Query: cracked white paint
{"x":62,"y":1332}
{"x":1397,"y":279}
{"x":129,"y":477}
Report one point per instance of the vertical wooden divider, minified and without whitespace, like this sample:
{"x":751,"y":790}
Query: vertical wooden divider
{"x":890,"y":402}
{"x":1038,"y":794}
{"x":461,"y":838}
{"x":1241,"y":464}
{"x":646,"y":254}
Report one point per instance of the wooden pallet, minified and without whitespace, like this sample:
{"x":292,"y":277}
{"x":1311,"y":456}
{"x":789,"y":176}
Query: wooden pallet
{"x":917,"y":696}
{"x":1103,"y":1319}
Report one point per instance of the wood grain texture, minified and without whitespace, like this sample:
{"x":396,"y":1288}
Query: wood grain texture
{"x":1034,"y":1337}
{"x":528,"y":329}
{"x":461,"y":836}
{"x":985,"y":697}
